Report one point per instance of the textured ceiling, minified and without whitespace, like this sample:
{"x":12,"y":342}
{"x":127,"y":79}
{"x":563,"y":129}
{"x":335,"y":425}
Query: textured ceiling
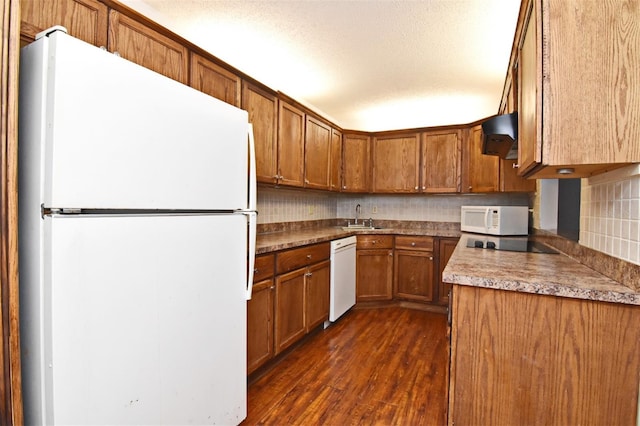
{"x":367,"y":65}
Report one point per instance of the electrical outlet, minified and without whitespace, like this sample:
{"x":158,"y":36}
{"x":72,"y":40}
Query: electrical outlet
{"x":311,"y":210}
{"x":374,"y":209}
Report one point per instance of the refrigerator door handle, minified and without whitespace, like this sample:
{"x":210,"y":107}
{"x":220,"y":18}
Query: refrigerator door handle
{"x":252,"y":170}
{"x":253,"y":219}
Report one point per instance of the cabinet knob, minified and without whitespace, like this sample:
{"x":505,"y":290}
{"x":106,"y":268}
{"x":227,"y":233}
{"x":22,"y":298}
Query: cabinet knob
{"x":424,"y":187}
{"x":308,"y":274}
{"x":255,"y":270}
{"x":344,"y":187}
{"x":373,"y":242}
{"x":515,"y":166}
{"x":470,"y":188}
{"x":390,"y":253}
{"x":416,"y":188}
{"x":306,"y":181}
{"x":308,"y":256}
{"x":413,"y":244}
{"x":430,"y":257}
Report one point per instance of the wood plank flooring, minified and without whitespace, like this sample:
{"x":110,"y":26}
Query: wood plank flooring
{"x":375,"y":366}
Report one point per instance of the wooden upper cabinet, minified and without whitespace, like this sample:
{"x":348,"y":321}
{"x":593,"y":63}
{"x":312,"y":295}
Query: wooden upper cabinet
{"x":317,"y":154}
{"x":441,"y":161}
{"x":396,"y":163}
{"x":262,"y":107}
{"x":355,"y":162}
{"x":335,"y":168}
{"x":480,"y":172}
{"x":215,"y":80}
{"x":140,"y":44}
{"x":291,"y":123}
{"x":84,"y":19}
{"x":579,"y":103}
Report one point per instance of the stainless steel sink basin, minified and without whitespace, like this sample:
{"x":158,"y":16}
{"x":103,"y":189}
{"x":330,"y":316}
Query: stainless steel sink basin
{"x":360,"y":228}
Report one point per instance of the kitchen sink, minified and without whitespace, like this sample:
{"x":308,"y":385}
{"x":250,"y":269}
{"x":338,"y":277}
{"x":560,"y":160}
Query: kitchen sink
{"x":360,"y":228}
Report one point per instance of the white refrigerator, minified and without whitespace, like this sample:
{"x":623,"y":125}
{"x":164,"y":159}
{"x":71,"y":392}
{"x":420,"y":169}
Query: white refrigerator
{"x":137,"y":240}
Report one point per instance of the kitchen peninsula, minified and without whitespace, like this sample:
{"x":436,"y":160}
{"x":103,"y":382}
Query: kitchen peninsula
{"x":540,"y":339}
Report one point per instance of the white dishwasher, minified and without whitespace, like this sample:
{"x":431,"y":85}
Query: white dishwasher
{"x":343,"y":277}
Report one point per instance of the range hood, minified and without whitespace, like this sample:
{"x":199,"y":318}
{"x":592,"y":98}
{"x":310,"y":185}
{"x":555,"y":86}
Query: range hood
{"x":501,"y":136}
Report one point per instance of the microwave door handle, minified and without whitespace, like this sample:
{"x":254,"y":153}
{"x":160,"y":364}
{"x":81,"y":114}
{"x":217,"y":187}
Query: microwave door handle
{"x":486,"y":219}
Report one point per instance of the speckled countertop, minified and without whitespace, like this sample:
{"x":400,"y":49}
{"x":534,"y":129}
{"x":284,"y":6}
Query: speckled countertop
{"x":275,"y":241}
{"x":539,"y":273}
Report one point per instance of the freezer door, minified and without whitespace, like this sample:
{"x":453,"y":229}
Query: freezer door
{"x":143,"y":321}
{"x":117,"y":135}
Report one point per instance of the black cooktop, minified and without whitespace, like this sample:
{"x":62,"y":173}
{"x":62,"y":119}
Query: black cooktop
{"x":522,"y":244}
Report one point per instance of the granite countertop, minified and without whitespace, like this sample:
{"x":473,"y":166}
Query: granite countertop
{"x":275,"y":241}
{"x":539,"y":273}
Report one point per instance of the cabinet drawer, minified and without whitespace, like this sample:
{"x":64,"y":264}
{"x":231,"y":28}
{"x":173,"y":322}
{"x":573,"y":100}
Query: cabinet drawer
{"x":408,"y":242}
{"x":264,"y":267}
{"x":374,"y":241}
{"x":300,"y":257}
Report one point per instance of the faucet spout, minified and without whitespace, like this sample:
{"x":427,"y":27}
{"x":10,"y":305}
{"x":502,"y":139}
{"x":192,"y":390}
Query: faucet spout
{"x":357,"y":212}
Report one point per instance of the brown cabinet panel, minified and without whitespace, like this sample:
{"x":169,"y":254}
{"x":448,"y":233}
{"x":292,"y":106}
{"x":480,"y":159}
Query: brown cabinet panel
{"x":441,"y":161}
{"x":289,"y":309}
{"x":396,"y":163}
{"x":510,"y":181}
{"x":215,"y":80}
{"x":144,"y":46}
{"x":355,"y":163}
{"x":317,"y":295}
{"x":262,"y":107}
{"x":317,"y":154}
{"x":411,"y":242}
{"x":335,"y":178}
{"x":519,"y":358}
{"x":289,"y":260}
{"x":481,"y":171}
{"x":413,"y":276}
{"x":374,"y":242}
{"x":260,"y":324}
{"x":291,"y":124}
{"x":264,"y":267}
{"x":445,"y":247}
{"x":83,"y":19}
{"x":374,"y":275}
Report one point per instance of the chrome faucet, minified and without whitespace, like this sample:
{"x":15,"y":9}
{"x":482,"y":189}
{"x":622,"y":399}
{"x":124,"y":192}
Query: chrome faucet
{"x":357,"y":213}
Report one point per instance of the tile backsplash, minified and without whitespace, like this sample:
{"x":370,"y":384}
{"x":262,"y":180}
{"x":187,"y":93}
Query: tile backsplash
{"x":610,"y":213}
{"x":289,"y":205}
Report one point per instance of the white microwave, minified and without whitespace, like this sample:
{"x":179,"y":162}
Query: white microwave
{"x":495,"y":220}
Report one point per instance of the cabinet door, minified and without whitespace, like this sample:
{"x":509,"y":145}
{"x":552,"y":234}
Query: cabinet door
{"x":441,"y":161}
{"x":395,"y":163}
{"x":446,"y":246}
{"x":317,"y":295}
{"x":510,"y":181}
{"x":374,"y":275}
{"x":482,"y":171}
{"x":260,"y":325}
{"x":262,"y":107}
{"x":317,"y":152}
{"x":413,"y":276}
{"x":289,"y":309}
{"x":214,"y":80}
{"x":335,"y":170}
{"x":144,"y":46}
{"x":83,"y":19}
{"x":529,"y":97}
{"x":291,"y":122}
{"x":355,"y":163}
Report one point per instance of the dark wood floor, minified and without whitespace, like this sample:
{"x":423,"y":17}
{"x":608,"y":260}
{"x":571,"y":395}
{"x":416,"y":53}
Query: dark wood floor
{"x":386,"y":366}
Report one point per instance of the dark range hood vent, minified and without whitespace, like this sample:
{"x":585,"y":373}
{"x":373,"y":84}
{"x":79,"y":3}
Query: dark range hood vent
{"x":501,"y":136}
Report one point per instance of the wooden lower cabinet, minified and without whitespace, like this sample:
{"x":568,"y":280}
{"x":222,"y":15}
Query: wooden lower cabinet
{"x":520,"y":358}
{"x":289,"y":309}
{"x":445,"y":248}
{"x":374,"y":268}
{"x":317,"y":295}
{"x":260,"y":314}
{"x":301,"y":293}
{"x":413,"y":268}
